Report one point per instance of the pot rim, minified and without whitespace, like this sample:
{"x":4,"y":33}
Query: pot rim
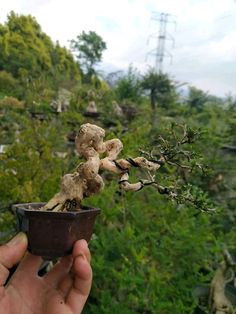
{"x":25,"y":207}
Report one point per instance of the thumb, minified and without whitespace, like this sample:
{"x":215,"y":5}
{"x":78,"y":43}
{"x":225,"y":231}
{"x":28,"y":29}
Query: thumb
{"x":11,"y":253}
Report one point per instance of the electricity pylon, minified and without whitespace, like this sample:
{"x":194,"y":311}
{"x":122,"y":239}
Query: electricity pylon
{"x":160,"y":52}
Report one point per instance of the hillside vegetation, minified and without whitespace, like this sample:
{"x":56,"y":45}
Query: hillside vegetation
{"x":151,"y":254}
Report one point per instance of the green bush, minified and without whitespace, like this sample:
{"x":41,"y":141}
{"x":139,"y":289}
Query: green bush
{"x":8,"y":84}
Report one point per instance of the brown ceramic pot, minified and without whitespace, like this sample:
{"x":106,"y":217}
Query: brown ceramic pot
{"x":52,"y":234}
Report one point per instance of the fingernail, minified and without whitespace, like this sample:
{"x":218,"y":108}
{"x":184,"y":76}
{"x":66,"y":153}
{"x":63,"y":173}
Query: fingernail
{"x":19,"y":238}
{"x":84,"y":241}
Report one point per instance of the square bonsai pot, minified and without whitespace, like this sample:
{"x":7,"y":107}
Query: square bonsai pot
{"x":53,"y":234}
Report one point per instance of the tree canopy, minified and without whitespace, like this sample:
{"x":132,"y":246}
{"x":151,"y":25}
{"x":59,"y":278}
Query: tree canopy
{"x":27,"y":52}
{"x":161,"y":88}
{"x":88,"y":48}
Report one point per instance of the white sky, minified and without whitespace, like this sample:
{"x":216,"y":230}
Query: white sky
{"x":205,"y":37}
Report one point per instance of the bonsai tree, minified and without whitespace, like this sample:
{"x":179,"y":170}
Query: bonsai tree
{"x":86,"y":180}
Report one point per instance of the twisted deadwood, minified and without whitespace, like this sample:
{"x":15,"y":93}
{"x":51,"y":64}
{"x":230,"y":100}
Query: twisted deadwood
{"x":86,"y":180}
{"x":218,"y":302}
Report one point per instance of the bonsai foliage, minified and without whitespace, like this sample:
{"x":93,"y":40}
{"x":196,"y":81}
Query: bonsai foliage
{"x":176,"y":154}
{"x":87,"y":180}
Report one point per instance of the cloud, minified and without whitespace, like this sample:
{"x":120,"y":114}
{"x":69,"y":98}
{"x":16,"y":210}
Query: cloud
{"x":204,"y":40}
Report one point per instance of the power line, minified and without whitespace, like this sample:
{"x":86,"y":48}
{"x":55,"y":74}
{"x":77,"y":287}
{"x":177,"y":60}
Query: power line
{"x":160,"y":52}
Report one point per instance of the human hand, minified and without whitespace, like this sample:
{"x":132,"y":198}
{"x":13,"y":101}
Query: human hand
{"x":63,"y":290}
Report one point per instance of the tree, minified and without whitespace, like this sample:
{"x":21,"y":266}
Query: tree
{"x":27,"y":53}
{"x":197,"y":98}
{"x":160,"y":87}
{"x":127,"y":86}
{"x":88,"y":48}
